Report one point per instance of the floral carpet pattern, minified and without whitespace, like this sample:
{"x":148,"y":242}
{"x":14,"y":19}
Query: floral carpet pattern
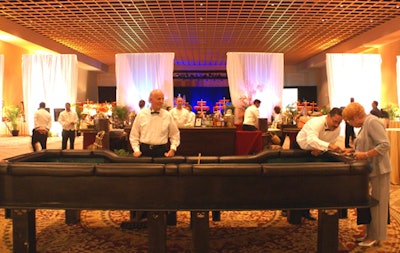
{"x":251,"y":231}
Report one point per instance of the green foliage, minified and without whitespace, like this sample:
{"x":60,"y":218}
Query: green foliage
{"x":122,"y":152}
{"x":12,"y":114}
{"x":121,"y":112}
{"x":393,"y":111}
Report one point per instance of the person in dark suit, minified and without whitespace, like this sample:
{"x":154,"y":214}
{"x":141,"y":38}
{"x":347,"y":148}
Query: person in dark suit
{"x":375,"y":110}
{"x":349,"y":132}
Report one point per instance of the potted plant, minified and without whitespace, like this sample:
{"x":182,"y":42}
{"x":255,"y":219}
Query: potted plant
{"x":12,"y":114}
{"x":120,"y":114}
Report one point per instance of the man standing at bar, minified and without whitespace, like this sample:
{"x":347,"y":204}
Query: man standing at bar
{"x":68,"y":120}
{"x":251,"y":115}
{"x":179,"y":113}
{"x":153,"y":128}
{"x":42,"y":125}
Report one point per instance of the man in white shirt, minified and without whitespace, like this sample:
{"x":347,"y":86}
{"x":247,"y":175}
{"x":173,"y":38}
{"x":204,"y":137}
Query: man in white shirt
{"x":319,"y":134}
{"x":42,"y":125}
{"x":251,"y":116}
{"x":68,"y":120}
{"x":149,"y":136}
{"x":152,"y":129}
{"x":179,"y":113}
{"x":192,"y":116}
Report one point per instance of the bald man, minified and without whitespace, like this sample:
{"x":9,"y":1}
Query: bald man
{"x":153,"y":128}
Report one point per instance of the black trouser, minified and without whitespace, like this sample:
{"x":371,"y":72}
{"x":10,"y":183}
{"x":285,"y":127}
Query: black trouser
{"x":153,"y":150}
{"x":349,"y":133}
{"x":68,"y":134}
{"x":249,"y":128}
{"x":38,"y":137}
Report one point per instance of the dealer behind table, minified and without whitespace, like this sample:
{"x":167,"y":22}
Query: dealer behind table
{"x":152,"y":129}
{"x":319,"y":134}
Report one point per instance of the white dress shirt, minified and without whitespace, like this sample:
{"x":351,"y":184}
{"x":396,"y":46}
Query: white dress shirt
{"x":68,"y":120}
{"x":251,"y":116}
{"x":42,"y":119}
{"x":315,"y":134}
{"x":181,"y":116}
{"x":191,"y":120}
{"x":154,"y":129}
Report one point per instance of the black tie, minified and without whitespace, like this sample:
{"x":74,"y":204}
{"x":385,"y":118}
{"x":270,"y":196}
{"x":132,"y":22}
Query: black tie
{"x":155,"y":112}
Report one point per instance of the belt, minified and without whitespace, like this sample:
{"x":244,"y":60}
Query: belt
{"x":68,"y":130}
{"x":151,"y":146}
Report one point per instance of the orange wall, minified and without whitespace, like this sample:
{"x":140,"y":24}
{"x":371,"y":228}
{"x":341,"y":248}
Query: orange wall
{"x":12,"y":81}
{"x":389,"y":75}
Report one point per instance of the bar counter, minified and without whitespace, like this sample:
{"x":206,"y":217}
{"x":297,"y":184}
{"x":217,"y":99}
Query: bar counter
{"x":210,"y":141}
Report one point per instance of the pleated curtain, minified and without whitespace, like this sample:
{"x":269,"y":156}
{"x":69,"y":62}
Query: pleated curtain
{"x":255,"y":76}
{"x":52,"y":79}
{"x":138,"y":74}
{"x":354,"y":75}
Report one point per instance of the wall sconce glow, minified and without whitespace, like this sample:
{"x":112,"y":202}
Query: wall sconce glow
{"x":6,"y":37}
{"x":42,"y":51}
{"x":31,"y":47}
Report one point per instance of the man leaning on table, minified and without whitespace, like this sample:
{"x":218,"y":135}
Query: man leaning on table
{"x":319,"y":134}
{"x":251,"y":116}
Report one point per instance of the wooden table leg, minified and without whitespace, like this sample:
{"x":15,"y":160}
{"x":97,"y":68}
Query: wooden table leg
{"x":200,"y":231}
{"x":157,"y":227}
{"x":24,"y":230}
{"x":294,"y":216}
{"x":328,"y":227}
{"x":72,"y":216}
{"x":7,"y":213}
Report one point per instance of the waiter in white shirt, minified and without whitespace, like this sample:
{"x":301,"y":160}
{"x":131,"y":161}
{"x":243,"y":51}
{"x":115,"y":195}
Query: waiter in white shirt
{"x":42,"y":125}
{"x":179,"y":113}
{"x":251,"y":116}
{"x":152,"y":129}
{"x":68,"y":120}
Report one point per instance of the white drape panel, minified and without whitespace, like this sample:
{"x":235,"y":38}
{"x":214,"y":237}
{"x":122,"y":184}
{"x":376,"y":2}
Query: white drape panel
{"x":354,"y":75}
{"x":1,"y":82}
{"x":52,"y":79}
{"x":256,"y":76}
{"x":138,"y":74}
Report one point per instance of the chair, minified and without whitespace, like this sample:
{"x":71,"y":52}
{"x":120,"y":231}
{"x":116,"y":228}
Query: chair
{"x":98,"y":143}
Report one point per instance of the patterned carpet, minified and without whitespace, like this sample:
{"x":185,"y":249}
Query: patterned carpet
{"x":256,"y":231}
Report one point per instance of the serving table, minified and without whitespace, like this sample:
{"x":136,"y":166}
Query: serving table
{"x":394,"y":138}
{"x":208,"y":141}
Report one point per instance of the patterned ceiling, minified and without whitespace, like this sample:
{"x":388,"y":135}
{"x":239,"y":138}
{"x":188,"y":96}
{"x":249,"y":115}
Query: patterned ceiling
{"x":200,"y":32}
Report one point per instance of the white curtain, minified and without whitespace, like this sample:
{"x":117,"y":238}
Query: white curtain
{"x":138,"y":74}
{"x":255,"y":76}
{"x":1,"y":83}
{"x":52,"y":79}
{"x":354,"y":75}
